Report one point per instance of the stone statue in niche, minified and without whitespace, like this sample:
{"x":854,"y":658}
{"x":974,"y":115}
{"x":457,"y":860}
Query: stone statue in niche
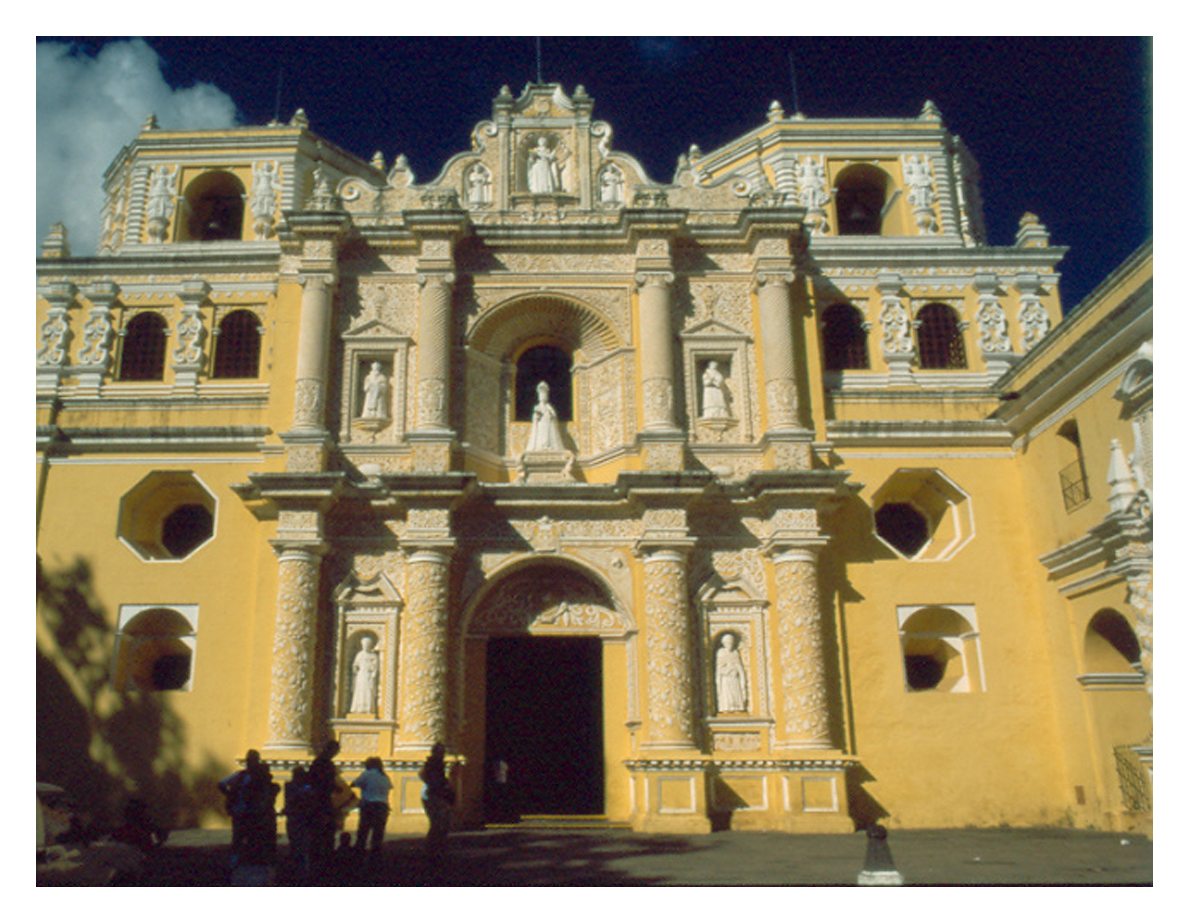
{"x":479,"y":186}
{"x":715,"y":404}
{"x":544,"y":424}
{"x":730,"y":677}
{"x":612,"y":184}
{"x":366,"y":668}
{"x":376,"y":394}
{"x":544,"y":166}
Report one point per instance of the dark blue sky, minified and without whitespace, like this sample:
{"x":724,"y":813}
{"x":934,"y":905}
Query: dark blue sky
{"x":1060,"y":126}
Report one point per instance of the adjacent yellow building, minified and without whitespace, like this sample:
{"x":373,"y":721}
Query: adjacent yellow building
{"x":772,"y":497}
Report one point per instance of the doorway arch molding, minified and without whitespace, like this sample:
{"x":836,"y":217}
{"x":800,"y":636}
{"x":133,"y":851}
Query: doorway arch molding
{"x":514,"y":600}
{"x":548,"y":594}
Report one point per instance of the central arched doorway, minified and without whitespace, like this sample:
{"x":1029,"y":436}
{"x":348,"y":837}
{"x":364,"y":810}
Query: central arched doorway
{"x":544,"y":629}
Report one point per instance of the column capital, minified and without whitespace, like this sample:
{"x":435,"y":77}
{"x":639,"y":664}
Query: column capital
{"x":435,"y":278}
{"x":648,"y":278}
{"x":769,"y":278}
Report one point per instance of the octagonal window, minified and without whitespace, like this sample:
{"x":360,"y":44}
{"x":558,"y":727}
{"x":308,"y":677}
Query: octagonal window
{"x":922,"y":515}
{"x":167,"y":516}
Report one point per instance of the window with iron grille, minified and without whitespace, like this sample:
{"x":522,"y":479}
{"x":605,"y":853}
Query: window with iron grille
{"x":143,"y":353}
{"x":238,"y":346}
{"x":1074,"y":485}
{"x":844,"y":339}
{"x":940,"y":343}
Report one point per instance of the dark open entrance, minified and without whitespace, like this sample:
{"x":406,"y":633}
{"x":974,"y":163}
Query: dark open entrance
{"x":543,"y":717}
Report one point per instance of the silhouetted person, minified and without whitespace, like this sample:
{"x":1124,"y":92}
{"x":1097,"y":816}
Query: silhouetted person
{"x":438,"y":798}
{"x":374,"y":789}
{"x":299,"y":810}
{"x":257,"y":852}
{"x":232,"y":788}
{"x":324,"y":780}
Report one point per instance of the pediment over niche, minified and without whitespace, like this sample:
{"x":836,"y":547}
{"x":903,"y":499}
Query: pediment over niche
{"x":376,"y":590}
{"x":713,"y":329}
{"x":372,"y":329}
{"x":738,"y":591}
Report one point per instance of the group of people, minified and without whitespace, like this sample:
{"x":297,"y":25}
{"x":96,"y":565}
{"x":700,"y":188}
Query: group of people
{"x":316,"y":801}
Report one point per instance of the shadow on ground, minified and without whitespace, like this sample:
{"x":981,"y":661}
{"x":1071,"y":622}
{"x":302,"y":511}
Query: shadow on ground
{"x":490,"y":858}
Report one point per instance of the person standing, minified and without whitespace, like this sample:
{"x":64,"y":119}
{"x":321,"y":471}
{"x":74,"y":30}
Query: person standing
{"x":299,"y":810}
{"x":236,"y":801}
{"x":374,"y":789}
{"x":438,"y":798}
{"x":324,"y":778}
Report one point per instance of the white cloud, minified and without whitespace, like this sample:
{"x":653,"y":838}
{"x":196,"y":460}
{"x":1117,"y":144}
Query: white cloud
{"x":88,"y":108}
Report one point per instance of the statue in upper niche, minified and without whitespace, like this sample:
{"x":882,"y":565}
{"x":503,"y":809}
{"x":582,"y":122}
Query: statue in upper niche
{"x":612,"y":184}
{"x":376,"y":392}
{"x":544,"y":424}
{"x":543,"y":167}
{"x":714,"y":404}
{"x":479,"y":186}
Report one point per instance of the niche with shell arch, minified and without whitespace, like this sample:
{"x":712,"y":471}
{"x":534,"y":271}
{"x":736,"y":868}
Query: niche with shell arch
{"x":567,"y":327}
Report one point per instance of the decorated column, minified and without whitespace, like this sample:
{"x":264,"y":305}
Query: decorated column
{"x":53,"y":356}
{"x":190,"y":333}
{"x":434,"y":350}
{"x":657,"y":351}
{"x":778,"y":347}
{"x":310,"y":387}
{"x":803,"y":700}
{"x":291,"y":693}
{"x":423,"y":641}
{"x":668,"y":640}
{"x":95,"y":357}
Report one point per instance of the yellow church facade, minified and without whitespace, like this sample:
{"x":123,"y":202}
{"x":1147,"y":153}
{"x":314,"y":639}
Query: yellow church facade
{"x":770,"y":497}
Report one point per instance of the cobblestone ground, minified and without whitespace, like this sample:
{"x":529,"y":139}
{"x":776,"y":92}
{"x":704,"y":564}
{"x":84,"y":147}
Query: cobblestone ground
{"x":1021,"y":857}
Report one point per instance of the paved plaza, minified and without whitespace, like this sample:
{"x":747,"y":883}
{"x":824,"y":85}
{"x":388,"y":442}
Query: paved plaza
{"x":525,"y":857}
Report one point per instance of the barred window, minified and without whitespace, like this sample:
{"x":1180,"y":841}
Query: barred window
{"x":843,"y":338}
{"x":143,"y":353}
{"x":940,"y":343}
{"x":237,"y":346}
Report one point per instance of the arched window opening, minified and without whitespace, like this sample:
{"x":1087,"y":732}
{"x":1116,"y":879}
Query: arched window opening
{"x":154,"y":652}
{"x":940,"y":649}
{"x":1110,"y":644}
{"x":215,"y":207}
{"x":861,"y":195}
{"x":143,"y":352}
{"x":543,"y":363}
{"x":844,"y":339}
{"x":941,"y":345}
{"x":1074,"y":484}
{"x":237,"y":346}
{"x":903,"y":526}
